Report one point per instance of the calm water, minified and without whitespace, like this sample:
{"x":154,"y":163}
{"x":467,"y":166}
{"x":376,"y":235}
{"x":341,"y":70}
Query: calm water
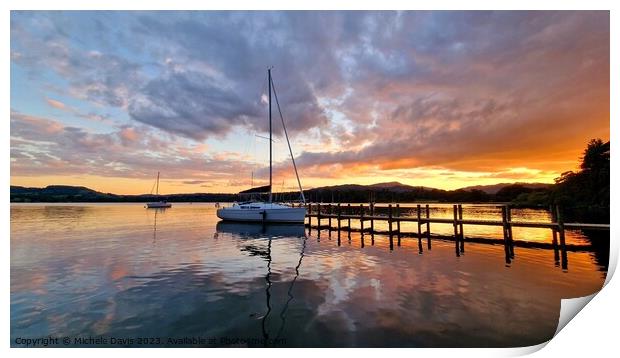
{"x":122,"y":273}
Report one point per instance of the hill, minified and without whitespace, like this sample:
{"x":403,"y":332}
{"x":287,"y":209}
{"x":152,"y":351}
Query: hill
{"x":494,"y":188}
{"x":379,"y":192}
{"x":80,"y":194}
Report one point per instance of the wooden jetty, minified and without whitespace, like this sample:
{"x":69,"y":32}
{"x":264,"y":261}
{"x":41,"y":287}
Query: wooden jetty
{"x":367,"y":213}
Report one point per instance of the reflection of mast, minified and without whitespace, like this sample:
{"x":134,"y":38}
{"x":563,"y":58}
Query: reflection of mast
{"x":157,"y":210}
{"x":267,"y":292}
{"x":155,"y":226}
{"x":259,"y":231}
{"x":290,"y":289}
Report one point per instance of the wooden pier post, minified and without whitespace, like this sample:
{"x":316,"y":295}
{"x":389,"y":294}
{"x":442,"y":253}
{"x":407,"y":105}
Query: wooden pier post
{"x":390,"y":219}
{"x":372,"y":223}
{"x":371,"y":206}
{"x":505,"y":231}
{"x":556,"y":251}
{"x":460,"y":207}
{"x":510,"y":241}
{"x":338,"y":213}
{"x":419,"y":208}
{"x":560,"y":219}
{"x":362,"y":221}
{"x":338,"y":218}
{"x":398,"y":222}
{"x":456,"y":230}
{"x":318,"y":216}
{"x":329,"y":221}
{"x":309,"y":218}
{"x":428,"y":226}
{"x":362,"y":224}
{"x":391,"y":235}
{"x":349,"y":220}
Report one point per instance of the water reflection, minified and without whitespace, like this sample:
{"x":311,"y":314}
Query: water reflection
{"x":156,"y":212}
{"x":599,"y":241}
{"x":261,"y":230}
{"x":105,"y":276}
{"x":268,"y":232}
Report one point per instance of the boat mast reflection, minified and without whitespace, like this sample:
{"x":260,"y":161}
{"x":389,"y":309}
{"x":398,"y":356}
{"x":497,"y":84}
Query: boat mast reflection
{"x":271,"y":232}
{"x":157,"y":210}
{"x":290,"y":289}
{"x":267,"y":294}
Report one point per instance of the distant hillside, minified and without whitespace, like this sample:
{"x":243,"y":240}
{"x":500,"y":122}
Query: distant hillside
{"x":353,"y":193}
{"x":396,"y":186}
{"x":386,"y":192}
{"x":494,"y":188}
{"x":80,"y":194}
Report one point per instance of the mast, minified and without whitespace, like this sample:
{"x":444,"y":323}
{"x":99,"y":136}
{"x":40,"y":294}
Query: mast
{"x":270,"y":142}
{"x":157,"y":190}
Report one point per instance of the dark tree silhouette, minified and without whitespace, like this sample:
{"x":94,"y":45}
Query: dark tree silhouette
{"x":585,"y":194}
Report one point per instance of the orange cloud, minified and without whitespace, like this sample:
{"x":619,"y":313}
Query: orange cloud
{"x":54,"y":103}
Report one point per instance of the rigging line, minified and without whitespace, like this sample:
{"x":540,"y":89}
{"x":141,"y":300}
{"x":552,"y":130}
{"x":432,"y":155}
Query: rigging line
{"x":254,"y":164}
{"x":152,"y":188}
{"x":303,"y":198}
{"x":260,"y":136}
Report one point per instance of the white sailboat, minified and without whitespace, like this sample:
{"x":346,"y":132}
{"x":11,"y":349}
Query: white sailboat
{"x":268,"y":211}
{"x":158,"y":204}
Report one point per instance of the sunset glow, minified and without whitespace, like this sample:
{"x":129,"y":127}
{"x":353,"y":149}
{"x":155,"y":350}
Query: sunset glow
{"x":437,"y":99}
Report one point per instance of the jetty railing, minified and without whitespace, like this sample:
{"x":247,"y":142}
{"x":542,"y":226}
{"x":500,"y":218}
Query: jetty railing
{"x":338,"y":212}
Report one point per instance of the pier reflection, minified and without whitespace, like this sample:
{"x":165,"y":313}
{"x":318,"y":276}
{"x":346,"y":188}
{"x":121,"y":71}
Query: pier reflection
{"x":598,"y":246}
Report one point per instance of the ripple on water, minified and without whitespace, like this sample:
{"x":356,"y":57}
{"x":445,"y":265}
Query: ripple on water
{"x":114,"y":270}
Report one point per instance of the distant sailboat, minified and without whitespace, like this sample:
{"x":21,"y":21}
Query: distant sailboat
{"x":158,"y":204}
{"x":267,"y":211}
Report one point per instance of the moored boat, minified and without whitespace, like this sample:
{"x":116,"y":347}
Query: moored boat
{"x":158,"y":204}
{"x":268,"y":211}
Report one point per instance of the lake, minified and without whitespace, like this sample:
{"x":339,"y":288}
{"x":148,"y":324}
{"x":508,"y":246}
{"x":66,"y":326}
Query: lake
{"x":123,"y":275}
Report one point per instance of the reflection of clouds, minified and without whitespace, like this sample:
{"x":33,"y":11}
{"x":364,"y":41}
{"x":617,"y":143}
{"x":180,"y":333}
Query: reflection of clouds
{"x":110,"y":278}
{"x":118,"y":271}
{"x":434,"y":288}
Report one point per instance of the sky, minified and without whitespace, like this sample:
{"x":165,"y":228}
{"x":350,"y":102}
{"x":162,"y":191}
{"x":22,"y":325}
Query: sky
{"x":444,"y":99}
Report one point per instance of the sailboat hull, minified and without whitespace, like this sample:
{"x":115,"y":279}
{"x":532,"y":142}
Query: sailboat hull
{"x":160,"y":204}
{"x":279,"y":215}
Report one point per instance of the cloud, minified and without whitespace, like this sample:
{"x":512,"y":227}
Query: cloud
{"x":128,"y":135}
{"x":191,"y":105}
{"x":195,"y":182}
{"x":361,"y":91}
{"x":489,"y":98}
{"x":45,"y":146}
{"x":54,"y":103}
